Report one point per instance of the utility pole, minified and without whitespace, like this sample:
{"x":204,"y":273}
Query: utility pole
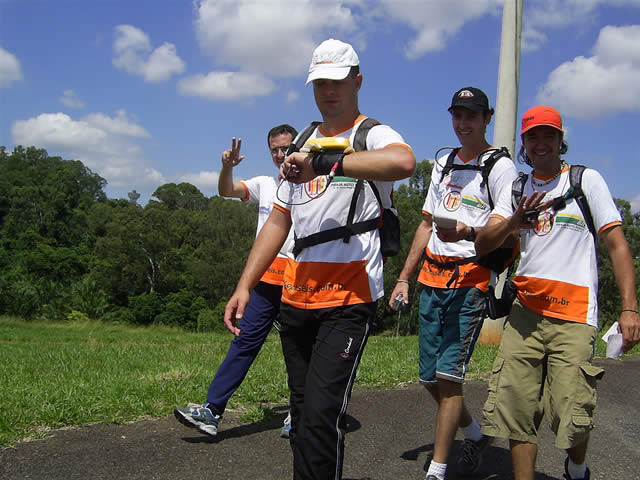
{"x":504,"y":132}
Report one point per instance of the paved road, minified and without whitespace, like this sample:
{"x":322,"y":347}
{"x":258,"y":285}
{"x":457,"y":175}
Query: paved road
{"x":390,"y":435}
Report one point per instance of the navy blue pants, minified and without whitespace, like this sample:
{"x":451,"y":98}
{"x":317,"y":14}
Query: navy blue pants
{"x":322,"y":350}
{"x":255,"y":325}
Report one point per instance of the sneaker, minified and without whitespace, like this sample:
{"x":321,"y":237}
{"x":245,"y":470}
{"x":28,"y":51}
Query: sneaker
{"x":432,"y":477}
{"x":286,"y":429}
{"x":471,"y":456}
{"x":566,"y":475}
{"x":198,"y":416}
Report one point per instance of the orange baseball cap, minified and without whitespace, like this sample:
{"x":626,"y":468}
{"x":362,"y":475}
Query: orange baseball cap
{"x":541,"y":115}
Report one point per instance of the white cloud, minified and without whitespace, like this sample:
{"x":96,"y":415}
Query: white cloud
{"x":119,"y":125}
{"x":275,"y":37}
{"x":133,"y":53}
{"x":204,"y":180}
{"x":10,"y":70}
{"x":292,"y":96}
{"x":553,"y":14}
{"x":226,"y":85}
{"x":603,"y":84}
{"x":97,"y":141}
{"x":436,"y":24}
{"x":71,"y":100}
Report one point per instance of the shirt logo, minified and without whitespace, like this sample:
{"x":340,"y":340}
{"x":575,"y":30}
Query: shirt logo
{"x":545,"y":224}
{"x":316,"y":186}
{"x":452,"y":201}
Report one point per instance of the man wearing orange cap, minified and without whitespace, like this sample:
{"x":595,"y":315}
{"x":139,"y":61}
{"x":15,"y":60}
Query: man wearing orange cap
{"x":544,"y":362}
{"x":330,"y":288}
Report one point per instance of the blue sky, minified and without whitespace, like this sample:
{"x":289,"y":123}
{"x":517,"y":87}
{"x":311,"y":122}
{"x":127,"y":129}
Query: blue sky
{"x":148,"y":92}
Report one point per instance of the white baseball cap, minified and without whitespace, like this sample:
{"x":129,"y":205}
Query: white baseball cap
{"x":332,"y":60}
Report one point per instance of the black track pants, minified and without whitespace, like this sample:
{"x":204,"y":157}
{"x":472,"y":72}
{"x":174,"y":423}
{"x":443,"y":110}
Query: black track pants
{"x":322,"y":350}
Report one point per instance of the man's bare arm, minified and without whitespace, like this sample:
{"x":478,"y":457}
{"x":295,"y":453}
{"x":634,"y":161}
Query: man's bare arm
{"x":625,"y":275}
{"x":265,"y":249}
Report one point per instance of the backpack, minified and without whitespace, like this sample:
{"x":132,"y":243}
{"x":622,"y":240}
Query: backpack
{"x":502,"y":257}
{"x":388,"y":222}
{"x":575,"y":192}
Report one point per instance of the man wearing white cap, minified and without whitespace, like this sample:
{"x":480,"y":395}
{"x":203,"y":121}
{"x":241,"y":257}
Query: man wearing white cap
{"x":330,"y":288}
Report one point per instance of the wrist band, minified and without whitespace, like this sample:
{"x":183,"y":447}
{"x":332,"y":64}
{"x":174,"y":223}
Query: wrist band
{"x":628,"y":310}
{"x":407,"y":282}
{"x":323,"y":162}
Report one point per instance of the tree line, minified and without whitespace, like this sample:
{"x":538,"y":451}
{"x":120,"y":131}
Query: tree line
{"x":69,"y":252}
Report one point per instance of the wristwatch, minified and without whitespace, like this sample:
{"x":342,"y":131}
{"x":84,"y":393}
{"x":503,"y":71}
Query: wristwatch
{"x":472,"y":235}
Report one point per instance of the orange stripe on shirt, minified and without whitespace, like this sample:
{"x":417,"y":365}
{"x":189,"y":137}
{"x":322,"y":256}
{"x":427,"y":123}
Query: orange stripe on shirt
{"x":282,"y":209}
{"x":470,"y":274}
{"x":312,"y":285}
{"x":246,"y":192}
{"x":399,"y":145}
{"x":360,"y":117}
{"x":609,"y":225}
{"x":275,"y":273}
{"x":554,"y":298}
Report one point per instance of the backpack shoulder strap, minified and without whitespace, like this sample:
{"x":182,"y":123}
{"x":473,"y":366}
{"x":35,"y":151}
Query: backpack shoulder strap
{"x":517,"y":188}
{"x":360,"y":145}
{"x":448,"y":166}
{"x":487,"y":166}
{"x":360,"y":138}
{"x":303,"y":137}
{"x":575,"y":181}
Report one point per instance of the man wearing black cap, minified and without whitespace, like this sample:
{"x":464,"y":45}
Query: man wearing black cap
{"x":452,"y":304}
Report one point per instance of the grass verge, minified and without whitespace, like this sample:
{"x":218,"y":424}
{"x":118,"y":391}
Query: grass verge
{"x":57,"y":375}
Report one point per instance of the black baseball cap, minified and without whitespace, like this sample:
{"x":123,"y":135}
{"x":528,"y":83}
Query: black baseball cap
{"x":471,"y":98}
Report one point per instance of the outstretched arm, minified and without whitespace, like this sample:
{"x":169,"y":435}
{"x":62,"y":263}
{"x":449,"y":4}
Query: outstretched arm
{"x":393,"y":162}
{"x":265,"y":248}
{"x":624,"y":273}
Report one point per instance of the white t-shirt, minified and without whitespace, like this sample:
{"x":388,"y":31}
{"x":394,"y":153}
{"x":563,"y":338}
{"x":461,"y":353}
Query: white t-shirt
{"x":558,"y":271}
{"x":336,"y":273}
{"x":460,"y":196}
{"x":262,"y":190}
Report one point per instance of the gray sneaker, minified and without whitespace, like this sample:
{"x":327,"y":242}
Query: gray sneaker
{"x":566,"y":475}
{"x":471,"y":456}
{"x":198,"y":416}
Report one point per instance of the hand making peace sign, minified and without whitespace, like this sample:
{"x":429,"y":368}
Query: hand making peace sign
{"x":230,"y":158}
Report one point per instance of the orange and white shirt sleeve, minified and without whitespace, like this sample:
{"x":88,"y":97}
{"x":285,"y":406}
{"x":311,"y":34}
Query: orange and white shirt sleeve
{"x":558,"y":272}
{"x":262,"y":190}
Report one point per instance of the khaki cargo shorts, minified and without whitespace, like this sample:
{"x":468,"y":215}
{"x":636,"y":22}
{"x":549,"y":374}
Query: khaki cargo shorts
{"x":543,"y":367}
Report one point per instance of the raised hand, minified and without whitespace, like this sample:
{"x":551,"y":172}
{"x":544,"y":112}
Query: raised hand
{"x":232,"y":157}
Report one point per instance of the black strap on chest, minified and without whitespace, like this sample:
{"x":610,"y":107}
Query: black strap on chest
{"x":347,"y":231}
{"x":485,"y":168}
